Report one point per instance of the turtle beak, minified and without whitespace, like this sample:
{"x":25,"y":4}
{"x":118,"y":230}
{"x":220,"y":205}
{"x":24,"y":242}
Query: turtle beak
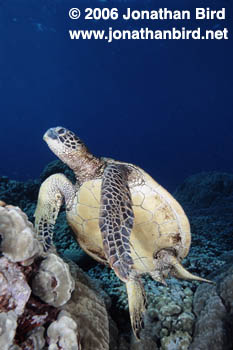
{"x":50,"y":134}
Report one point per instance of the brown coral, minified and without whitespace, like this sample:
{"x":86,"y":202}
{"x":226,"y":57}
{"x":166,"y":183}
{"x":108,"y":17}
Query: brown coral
{"x":213,"y":308}
{"x":89,"y":311}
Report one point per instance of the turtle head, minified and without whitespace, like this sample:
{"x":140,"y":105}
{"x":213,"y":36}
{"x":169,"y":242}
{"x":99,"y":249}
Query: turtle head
{"x":65,"y":144}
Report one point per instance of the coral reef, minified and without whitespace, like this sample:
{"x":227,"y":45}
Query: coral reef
{"x":53,"y":282}
{"x":214,"y":311}
{"x":169,"y":316}
{"x":37,"y":299}
{"x":204,"y":190}
{"x":62,"y":333}
{"x":21,"y":194}
{"x":177,"y":315}
{"x":18,"y":238}
{"x":14,"y":288}
{"x":56,"y":167}
{"x":89,"y":311}
{"x":24,"y":195}
{"x":169,"y":319}
{"x":8,"y":324}
{"x":18,"y":263}
{"x":208,"y":200}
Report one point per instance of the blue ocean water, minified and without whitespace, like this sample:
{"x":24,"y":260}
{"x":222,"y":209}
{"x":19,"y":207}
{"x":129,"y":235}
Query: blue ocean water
{"x":164,"y":105}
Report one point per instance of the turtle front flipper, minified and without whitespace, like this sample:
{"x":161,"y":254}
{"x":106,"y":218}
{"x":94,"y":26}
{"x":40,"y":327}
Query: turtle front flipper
{"x":53,"y":191}
{"x":116,"y":219}
{"x":137,"y":304}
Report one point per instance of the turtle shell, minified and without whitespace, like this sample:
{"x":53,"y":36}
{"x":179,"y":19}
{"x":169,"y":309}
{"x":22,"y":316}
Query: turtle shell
{"x":159,"y":222}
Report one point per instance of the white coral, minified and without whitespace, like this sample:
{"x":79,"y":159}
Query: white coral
{"x":19,"y":243}
{"x":53,"y":283}
{"x":8,"y":324}
{"x":62,"y":333}
{"x":14,"y":289}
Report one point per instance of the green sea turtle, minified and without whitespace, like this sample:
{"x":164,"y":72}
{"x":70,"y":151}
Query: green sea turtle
{"x":119,"y":215}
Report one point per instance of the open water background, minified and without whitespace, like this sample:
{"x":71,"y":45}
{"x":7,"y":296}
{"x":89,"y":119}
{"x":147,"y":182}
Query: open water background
{"x":166,"y":106}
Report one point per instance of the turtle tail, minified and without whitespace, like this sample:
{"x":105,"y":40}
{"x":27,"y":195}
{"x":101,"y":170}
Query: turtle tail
{"x":53,"y":191}
{"x":180,"y":272}
{"x":167,"y":263}
{"x":137,"y":304}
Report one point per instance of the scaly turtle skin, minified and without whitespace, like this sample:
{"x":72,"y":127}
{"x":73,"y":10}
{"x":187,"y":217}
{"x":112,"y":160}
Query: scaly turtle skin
{"x":120,"y":216}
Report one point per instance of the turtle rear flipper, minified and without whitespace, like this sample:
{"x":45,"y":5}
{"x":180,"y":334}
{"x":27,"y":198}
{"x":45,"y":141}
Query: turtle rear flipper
{"x":137,"y":304}
{"x":53,"y":191}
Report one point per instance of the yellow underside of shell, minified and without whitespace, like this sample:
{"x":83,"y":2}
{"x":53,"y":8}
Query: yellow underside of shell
{"x":159,"y":223}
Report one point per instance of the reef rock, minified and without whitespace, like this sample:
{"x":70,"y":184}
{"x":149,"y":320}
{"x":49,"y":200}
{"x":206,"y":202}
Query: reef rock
{"x":207,"y":199}
{"x":34,"y":341}
{"x":206,"y":190}
{"x":213,"y":306}
{"x":88,"y":308}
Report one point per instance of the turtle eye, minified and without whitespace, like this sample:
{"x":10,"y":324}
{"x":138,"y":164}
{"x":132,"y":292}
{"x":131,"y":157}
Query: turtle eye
{"x":61,"y":131}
